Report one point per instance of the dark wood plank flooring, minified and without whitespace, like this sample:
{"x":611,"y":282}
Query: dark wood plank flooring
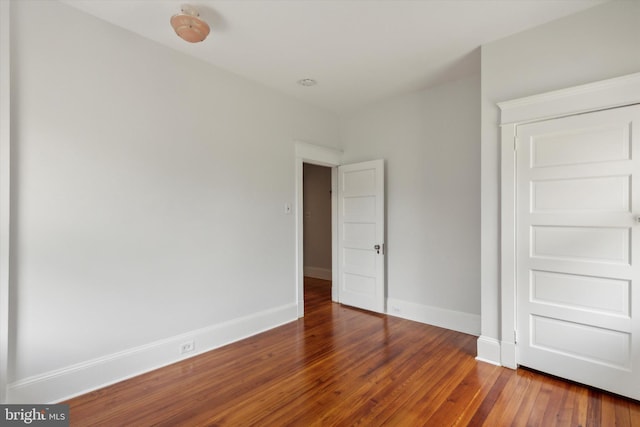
{"x":340,"y":366}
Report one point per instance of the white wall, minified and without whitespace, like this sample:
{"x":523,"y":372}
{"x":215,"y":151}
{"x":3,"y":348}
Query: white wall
{"x":5,"y":163}
{"x":148,"y":194}
{"x":599,"y":43}
{"x":317,"y":221}
{"x":430,"y":141}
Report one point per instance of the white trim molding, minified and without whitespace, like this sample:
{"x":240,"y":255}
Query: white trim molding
{"x":318,"y":154}
{"x":65,"y":383}
{"x":334,"y":234}
{"x":323,"y":156}
{"x":613,"y":93}
{"x":508,"y":246}
{"x":450,"y":319}
{"x":5,"y":192}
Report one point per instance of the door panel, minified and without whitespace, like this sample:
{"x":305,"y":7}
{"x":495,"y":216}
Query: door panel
{"x":589,"y":343}
{"x":610,"y":296}
{"x":360,"y":228}
{"x":587,"y":244}
{"x":603,"y":194}
{"x":578,"y":195}
{"x":590,"y":144}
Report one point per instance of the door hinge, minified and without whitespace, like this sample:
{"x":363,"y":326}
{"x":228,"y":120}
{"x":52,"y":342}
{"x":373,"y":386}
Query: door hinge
{"x":515,"y":337}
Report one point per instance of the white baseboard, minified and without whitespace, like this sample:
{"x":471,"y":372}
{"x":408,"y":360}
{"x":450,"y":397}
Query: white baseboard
{"x":449,"y":319}
{"x":488,"y":350}
{"x":317,"y":272}
{"x":62,"y":384}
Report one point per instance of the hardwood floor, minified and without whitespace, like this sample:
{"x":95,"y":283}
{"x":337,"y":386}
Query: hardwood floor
{"x":340,"y":366}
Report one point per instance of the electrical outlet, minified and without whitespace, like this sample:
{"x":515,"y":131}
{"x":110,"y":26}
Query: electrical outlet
{"x":187,"y":347}
{"x":395,"y":309}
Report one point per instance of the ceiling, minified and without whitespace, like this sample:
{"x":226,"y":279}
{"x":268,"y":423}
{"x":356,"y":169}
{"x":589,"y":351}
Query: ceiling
{"x":359,"y":51}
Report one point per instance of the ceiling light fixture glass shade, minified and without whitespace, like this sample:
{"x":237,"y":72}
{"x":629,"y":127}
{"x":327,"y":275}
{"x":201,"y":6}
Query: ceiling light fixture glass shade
{"x":189,"y":26}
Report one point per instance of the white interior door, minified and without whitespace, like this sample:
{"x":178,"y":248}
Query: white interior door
{"x":361,"y":235}
{"x":578,"y":253}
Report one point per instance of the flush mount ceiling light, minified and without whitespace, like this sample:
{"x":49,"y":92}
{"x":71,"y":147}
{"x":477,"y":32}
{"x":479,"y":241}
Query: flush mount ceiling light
{"x":307,"y":82}
{"x":188,"y":25}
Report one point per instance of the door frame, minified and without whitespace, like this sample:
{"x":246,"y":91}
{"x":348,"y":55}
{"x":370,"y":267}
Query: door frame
{"x":601,"y":95}
{"x":321,"y":156}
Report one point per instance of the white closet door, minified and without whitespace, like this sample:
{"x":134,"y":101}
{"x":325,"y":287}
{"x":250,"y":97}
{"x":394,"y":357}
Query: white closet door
{"x":578,"y":250}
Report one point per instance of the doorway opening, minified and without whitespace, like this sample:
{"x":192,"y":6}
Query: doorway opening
{"x":317,"y":238}
{"x":327,"y":157}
